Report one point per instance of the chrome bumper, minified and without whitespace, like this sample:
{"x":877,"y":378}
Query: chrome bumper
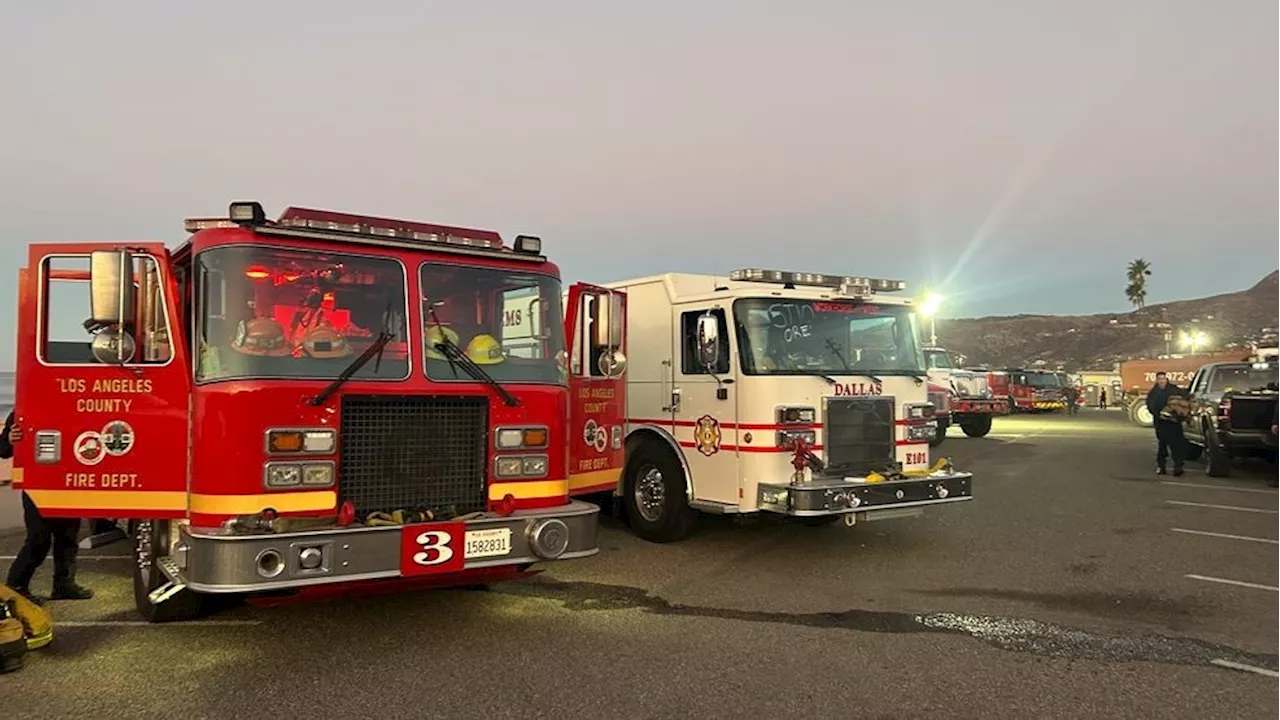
{"x":838,"y":496}
{"x":213,"y":563}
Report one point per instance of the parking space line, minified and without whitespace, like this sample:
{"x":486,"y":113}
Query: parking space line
{"x":1246,"y":668}
{"x":82,"y":557}
{"x":144,"y":623}
{"x":1240,"y":583}
{"x":1224,"y":535}
{"x":1217,"y":487}
{"x":1223,"y":507}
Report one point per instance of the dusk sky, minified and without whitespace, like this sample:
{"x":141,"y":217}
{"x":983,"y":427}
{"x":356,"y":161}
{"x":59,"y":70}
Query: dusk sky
{"x":1013,"y":154}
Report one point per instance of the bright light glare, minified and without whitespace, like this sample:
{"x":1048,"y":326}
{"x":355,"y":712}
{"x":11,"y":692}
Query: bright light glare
{"x":1194,"y":339}
{"x":930,"y":305}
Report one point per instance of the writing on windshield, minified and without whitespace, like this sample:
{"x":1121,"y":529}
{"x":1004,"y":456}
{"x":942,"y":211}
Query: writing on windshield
{"x":826,"y":337}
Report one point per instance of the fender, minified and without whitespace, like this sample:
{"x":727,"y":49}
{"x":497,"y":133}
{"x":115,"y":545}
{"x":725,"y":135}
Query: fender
{"x":642,"y":431}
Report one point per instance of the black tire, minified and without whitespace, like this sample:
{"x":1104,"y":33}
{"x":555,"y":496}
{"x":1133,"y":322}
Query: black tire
{"x":185,"y":605}
{"x":976,"y":426}
{"x":1218,"y":460}
{"x":942,"y":433}
{"x":667,"y":518}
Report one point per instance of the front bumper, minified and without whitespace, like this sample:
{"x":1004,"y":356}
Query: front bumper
{"x":840,"y":496}
{"x":979,"y":406}
{"x":213,"y":563}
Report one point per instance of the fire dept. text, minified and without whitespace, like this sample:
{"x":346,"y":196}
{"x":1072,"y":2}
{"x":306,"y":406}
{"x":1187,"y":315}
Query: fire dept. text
{"x":102,"y":480}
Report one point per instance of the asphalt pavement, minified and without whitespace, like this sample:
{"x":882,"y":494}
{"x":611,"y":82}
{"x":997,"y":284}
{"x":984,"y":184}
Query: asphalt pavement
{"x":1077,"y":584}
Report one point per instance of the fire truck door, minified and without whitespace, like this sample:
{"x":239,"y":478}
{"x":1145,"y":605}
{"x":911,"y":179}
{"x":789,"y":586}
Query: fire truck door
{"x":595,"y":326}
{"x":706,"y":419}
{"x":102,"y":383}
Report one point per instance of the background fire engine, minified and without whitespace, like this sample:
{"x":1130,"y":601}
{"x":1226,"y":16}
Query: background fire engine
{"x":320,"y":400}
{"x":765,"y":391}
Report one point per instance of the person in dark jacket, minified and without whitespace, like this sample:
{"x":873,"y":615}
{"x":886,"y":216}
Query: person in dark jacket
{"x":1168,"y":426}
{"x":43,"y":533}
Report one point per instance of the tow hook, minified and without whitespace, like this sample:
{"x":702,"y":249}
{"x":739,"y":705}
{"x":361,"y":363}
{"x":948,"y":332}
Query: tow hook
{"x":850,"y":519}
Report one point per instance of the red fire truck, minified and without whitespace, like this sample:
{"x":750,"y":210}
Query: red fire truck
{"x":320,"y":402}
{"x":1034,"y":390}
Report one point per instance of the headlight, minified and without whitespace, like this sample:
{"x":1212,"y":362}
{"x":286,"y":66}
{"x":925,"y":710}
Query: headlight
{"x":797,"y":416}
{"x":281,"y":475}
{"x":301,"y":441}
{"x":920,"y":411}
{"x":520,"y":466}
{"x":922,"y":432}
{"x":285,"y":475}
{"x":317,"y":475}
{"x":787,"y":438}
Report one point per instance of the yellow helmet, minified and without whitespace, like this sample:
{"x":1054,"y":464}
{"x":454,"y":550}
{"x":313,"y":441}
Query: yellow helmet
{"x":484,"y":350}
{"x":436,"y":335}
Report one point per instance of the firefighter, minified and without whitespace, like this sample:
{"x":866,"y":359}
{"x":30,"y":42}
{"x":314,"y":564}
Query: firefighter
{"x":1102,"y":399}
{"x":60,"y":533}
{"x":1167,"y":404}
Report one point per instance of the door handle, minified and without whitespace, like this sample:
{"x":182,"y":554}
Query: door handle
{"x":675,"y":402}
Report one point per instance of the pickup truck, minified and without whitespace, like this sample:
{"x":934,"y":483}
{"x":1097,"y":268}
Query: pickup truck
{"x":1233,"y":407}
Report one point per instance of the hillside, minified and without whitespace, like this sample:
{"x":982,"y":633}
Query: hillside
{"x":1100,"y":341}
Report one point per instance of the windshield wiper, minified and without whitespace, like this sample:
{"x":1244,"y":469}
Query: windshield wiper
{"x":455,"y":353}
{"x":376,"y":348}
{"x":835,"y":350}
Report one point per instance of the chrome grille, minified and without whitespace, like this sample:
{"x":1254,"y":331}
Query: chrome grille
{"x":413,"y":452}
{"x":858,"y":434}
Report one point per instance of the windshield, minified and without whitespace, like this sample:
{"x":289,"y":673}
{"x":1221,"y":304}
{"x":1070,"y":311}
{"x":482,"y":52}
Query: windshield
{"x":1043,"y":381}
{"x":811,"y":337}
{"x":1242,"y":378}
{"x":938,"y":360}
{"x":281,"y":313}
{"x":510,"y":324}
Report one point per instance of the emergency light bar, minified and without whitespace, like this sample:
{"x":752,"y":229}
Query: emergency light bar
{"x":843,"y":282}
{"x":250,"y":214}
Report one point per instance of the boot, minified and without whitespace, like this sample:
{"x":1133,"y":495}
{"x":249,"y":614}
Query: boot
{"x":71,"y":591}
{"x":1160,"y":470}
{"x":1177,"y":472}
{"x":13,"y":640}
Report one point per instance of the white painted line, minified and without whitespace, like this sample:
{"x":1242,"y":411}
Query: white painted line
{"x":1217,"y":487}
{"x":1246,"y":668}
{"x":1223,"y":507}
{"x":143,"y":623}
{"x":82,"y":557}
{"x":1233,"y":582}
{"x":1225,"y":535}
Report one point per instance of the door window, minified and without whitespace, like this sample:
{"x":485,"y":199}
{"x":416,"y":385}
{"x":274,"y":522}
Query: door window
{"x":66,"y":303}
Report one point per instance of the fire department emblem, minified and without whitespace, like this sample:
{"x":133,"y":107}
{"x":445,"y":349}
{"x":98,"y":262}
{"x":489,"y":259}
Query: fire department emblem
{"x":88,"y":448}
{"x":117,"y":438}
{"x":707,"y":435}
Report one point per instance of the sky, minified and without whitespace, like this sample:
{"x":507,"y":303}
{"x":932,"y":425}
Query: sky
{"x":1012,"y":155}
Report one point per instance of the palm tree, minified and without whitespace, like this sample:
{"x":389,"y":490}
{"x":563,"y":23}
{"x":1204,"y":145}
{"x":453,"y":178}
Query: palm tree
{"x":1137,"y":274}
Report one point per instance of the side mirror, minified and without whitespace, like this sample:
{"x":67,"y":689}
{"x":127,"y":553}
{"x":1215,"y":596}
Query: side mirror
{"x":708,"y":339}
{"x":111,"y":287}
{"x":607,"y":321}
{"x":612,"y":363}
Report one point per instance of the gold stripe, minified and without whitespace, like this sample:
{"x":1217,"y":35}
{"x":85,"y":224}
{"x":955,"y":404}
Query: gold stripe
{"x":529,"y":489}
{"x":250,"y":504}
{"x":594,"y":479}
{"x":15,"y":476}
{"x":109,"y":499}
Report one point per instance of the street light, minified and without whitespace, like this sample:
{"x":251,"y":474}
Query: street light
{"x":1194,"y":340}
{"x":929,"y":307}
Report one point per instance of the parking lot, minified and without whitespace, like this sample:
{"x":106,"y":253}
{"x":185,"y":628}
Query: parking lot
{"x":1077,"y":583}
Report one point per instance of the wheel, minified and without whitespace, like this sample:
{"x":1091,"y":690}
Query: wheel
{"x":1139,"y":414}
{"x":976,"y":425}
{"x":942,"y":433}
{"x":1218,"y":462}
{"x":654,"y":492}
{"x":150,"y":541}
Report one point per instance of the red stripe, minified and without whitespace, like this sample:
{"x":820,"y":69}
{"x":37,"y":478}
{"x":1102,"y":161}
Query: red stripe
{"x":748,"y":448}
{"x":747,"y":426}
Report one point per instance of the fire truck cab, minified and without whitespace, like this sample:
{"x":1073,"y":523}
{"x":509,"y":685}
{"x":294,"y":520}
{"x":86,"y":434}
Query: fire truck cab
{"x":797,"y":394}
{"x":305,"y":403}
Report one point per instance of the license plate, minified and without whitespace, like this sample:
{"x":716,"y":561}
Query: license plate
{"x":431,"y":548}
{"x":494,"y":542}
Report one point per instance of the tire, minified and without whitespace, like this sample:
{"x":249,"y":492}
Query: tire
{"x":976,"y":426}
{"x":654,"y":493}
{"x":1218,"y":460}
{"x":1140,"y":415}
{"x":942,"y":433}
{"x":185,"y":605}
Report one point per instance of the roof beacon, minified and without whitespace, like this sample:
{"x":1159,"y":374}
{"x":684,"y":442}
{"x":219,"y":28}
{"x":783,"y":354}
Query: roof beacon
{"x":844,"y":283}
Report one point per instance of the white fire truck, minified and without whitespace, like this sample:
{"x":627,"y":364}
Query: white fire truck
{"x":766,"y":391}
{"x":970,"y":402}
